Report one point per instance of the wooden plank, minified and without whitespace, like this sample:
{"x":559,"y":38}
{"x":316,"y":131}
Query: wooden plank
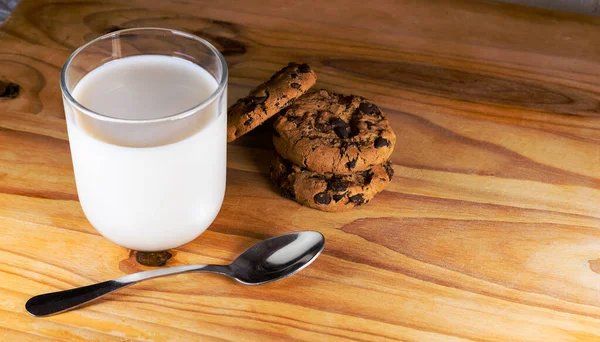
{"x":489,"y":230}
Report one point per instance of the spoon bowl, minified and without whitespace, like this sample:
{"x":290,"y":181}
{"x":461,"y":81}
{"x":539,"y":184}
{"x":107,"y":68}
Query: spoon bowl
{"x":276,"y":258}
{"x":267,"y":261}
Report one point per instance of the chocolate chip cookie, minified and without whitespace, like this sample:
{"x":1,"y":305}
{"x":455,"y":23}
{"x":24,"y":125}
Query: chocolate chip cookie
{"x":330,"y":192}
{"x":327,"y":132}
{"x":268,"y":98}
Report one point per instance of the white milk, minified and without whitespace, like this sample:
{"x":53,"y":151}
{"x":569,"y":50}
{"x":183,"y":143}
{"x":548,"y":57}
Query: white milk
{"x":168,"y":192}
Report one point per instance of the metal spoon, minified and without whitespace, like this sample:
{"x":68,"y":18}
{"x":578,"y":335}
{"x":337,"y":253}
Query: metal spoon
{"x":269,"y":260}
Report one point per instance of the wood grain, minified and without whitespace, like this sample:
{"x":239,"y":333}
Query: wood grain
{"x":489,"y":231}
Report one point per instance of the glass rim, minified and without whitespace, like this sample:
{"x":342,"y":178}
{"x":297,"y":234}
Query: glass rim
{"x":177,"y":116}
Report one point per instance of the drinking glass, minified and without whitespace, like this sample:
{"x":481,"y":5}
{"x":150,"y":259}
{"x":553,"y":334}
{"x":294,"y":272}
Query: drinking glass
{"x":148,"y":183}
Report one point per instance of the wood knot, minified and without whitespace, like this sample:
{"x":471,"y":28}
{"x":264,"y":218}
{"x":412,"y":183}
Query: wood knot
{"x":224,"y":35}
{"x":112,"y":29}
{"x":230,"y":47}
{"x":595,"y":265}
{"x":143,"y":261}
{"x":153,"y":258}
{"x":9,"y":90}
{"x":226,"y":46}
{"x":225,"y":26}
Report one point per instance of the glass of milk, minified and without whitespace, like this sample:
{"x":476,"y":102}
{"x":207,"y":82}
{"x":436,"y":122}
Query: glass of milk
{"x":146,"y":116}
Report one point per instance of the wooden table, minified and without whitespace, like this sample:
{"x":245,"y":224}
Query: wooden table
{"x":489,"y":231}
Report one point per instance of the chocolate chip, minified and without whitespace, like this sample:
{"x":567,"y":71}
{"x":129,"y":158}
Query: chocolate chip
{"x":10,"y":91}
{"x":337,"y":198}
{"x":380,"y":142}
{"x":341,"y":128}
{"x":248,"y":122}
{"x":369,"y":124}
{"x":259,"y":99}
{"x":284,"y":96}
{"x":346,"y":100}
{"x":250,"y":106}
{"x":351,"y":164}
{"x":322,"y":198}
{"x":389,"y":169}
{"x":357,"y":199}
{"x":304,"y":68}
{"x":368,"y":176}
{"x":368,"y":108}
{"x":295,"y":85}
{"x":323,"y":127}
{"x":318,"y":177}
{"x":275,"y":75}
{"x":294,"y":76}
{"x":337,"y":184}
{"x":337,"y":122}
{"x":294,"y":119}
{"x":342,"y":133}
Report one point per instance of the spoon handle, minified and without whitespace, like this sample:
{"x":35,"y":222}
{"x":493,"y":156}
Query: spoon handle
{"x":55,"y":302}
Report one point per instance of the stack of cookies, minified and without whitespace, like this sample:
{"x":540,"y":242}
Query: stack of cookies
{"x":333,"y":150}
